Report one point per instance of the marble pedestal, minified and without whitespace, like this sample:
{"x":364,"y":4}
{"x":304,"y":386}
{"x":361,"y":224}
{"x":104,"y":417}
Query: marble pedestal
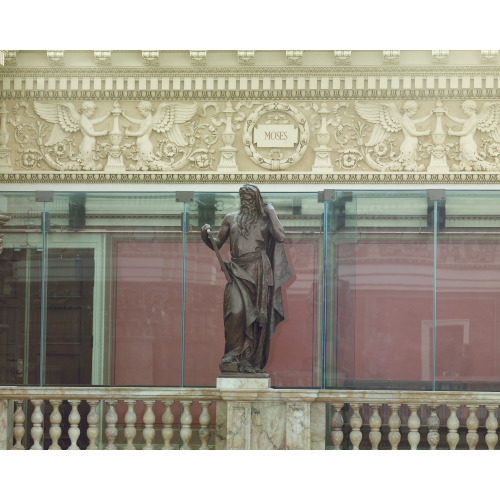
{"x":252,"y":416}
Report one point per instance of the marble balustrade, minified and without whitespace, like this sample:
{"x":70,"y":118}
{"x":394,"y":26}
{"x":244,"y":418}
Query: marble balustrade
{"x":246,"y":418}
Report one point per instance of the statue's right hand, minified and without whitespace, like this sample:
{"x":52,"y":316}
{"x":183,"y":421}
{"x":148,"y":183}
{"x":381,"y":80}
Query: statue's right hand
{"x":206,"y":228}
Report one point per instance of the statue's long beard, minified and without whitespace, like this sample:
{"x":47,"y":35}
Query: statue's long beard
{"x":246,"y":218}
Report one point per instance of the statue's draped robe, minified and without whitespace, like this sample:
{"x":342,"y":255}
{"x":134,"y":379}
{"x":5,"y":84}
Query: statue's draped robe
{"x":253,"y":304}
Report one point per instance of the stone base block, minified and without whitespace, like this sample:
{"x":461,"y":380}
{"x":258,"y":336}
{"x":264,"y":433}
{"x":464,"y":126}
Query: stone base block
{"x":244,"y":382}
{"x":253,"y":417}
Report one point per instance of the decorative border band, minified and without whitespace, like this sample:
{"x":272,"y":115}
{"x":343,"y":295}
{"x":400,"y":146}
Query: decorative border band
{"x":258,"y":178}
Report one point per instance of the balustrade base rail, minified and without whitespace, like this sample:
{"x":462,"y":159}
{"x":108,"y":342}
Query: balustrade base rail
{"x":134,"y":418}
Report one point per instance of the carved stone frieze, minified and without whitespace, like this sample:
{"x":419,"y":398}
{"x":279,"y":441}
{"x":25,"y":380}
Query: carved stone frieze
{"x":4,"y":138}
{"x":339,"y":140}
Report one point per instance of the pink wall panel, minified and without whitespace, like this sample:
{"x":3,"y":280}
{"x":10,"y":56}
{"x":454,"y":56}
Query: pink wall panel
{"x":148,"y":320}
{"x":390,"y":288}
{"x":147,"y":313}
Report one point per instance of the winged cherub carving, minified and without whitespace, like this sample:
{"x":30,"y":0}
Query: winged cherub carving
{"x":388,"y":120}
{"x":166,"y":121}
{"x":487,"y":121}
{"x":67,"y":120}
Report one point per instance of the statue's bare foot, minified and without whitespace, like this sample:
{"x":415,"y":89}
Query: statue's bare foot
{"x":246,"y":367}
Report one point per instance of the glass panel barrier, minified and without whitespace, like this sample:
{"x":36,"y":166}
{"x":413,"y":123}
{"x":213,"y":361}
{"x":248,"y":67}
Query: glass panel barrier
{"x":129,"y":298}
{"x":468,"y":292}
{"x":383,"y":282}
{"x":20,"y":263}
{"x":114,"y":301}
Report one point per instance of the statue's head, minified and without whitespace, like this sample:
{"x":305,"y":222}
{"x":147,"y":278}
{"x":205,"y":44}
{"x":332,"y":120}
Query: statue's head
{"x":469,"y":107}
{"x":252,"y":207}
{"x":145,"y":107}
{"x":410,"y":107}
{"x":250,"y":195}
{"x":88,"y":108}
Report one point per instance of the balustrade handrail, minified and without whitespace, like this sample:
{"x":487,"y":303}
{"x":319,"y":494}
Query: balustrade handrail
{"x":209,"y":393}
{"x":401,"y":410}
{"x":408,"y":397}
{"x":105,"y":393}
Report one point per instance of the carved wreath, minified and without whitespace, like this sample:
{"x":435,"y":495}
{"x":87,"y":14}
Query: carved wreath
{"x":284,"y":162}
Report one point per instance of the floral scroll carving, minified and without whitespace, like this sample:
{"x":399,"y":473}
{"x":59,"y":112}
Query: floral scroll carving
{"x":364,"y":137}
{"x":58,"y":136}
{"x":387,"y":137}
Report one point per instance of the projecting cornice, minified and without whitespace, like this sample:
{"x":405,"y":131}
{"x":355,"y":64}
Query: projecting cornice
{"x":235,"y":58}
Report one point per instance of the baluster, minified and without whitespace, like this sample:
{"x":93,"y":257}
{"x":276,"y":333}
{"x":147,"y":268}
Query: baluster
{"x":55,"y":424}
{"x":74,"y":420}
{"x":337,"y":425}
{"x":167,"y":419}
{"x":356,"y":423}
{"x":433,"y":425}
{"x":19,"y":419}
{"x":453,"y":424}
{"x":375,"y":423}
{"x":472,"y":424}
{"x":111,"y":419}
{"x":130,"y":420}
{"x":93,"y":420}
{"x":394,"y":425}
{"x":205,"y":420}
{"x":414,"y":425}
{"x":492,"y":425}
{"x":186,"y":420}
{"x":37,"y":420}
{"x":149,"y":419}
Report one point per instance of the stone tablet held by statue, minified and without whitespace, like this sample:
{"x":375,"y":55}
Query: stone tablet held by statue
{"x":253,"y":304}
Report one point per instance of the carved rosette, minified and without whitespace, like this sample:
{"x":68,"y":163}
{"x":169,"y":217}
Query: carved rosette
{"x":275,"y":157}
